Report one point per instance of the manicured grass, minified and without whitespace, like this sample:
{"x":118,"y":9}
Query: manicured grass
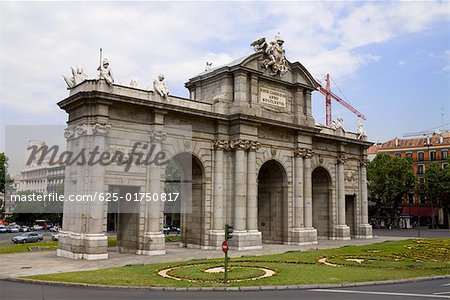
{"x":198,"y":273}
{"x":41,"y":246}
{"x":385,"y":261}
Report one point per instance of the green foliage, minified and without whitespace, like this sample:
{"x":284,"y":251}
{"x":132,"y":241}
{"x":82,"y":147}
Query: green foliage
{"x":390,"y":179}
{"x":5,"y":179}
{"x":437,"y":187}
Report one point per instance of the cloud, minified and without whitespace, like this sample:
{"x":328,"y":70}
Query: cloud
{"x":40,"y":41}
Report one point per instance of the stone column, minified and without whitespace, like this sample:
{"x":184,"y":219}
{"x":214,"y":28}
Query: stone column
{"x":307,"y":188}
{"x":217,"y":235}
{"x":298,"y":190}
{"x":84,"y":231}
{"x":154,"y":242}
{"x":245,"y":197}
{"x":303,"y":232}
{"x":252,"y":188}
{"x":240,"y":185}
{"x":364,"y":230}
{"x":218,"y":223}
{"x":342,"y":230}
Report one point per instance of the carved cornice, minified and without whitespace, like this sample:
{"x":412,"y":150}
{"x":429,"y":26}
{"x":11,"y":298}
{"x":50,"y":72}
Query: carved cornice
{"x":73,"y":132}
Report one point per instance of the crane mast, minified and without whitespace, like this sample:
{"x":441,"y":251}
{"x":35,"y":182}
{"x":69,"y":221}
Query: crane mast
{"x":328,"y":95}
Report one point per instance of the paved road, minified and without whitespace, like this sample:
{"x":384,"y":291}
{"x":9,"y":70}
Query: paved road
{"x":435,"y":289}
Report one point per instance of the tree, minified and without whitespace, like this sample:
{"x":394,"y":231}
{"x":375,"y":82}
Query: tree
{"x":390,"y":179}
{"x":437,"y":187}
{"x":5,"y":179}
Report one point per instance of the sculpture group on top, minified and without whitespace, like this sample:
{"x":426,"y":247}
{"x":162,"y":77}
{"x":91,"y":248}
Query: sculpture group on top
{"x":160,"y":87}
{"x":274,"y":54}
{"x":105,"y":73}
{"x":77,"y":77}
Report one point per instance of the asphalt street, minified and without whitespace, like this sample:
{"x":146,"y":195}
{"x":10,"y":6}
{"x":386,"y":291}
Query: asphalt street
{"x":430,"y":289}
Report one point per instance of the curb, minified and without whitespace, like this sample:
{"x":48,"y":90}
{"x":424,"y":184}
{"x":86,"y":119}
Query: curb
{"x":230,"y":289}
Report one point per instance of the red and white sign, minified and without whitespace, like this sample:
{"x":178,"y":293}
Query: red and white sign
{"x":225,"y":247}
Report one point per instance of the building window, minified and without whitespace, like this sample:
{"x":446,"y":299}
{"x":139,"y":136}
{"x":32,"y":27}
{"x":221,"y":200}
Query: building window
{"x":420,"y":169}
{"x":397,"y":154}
{"x":432,"y":155}
{"x":409,"y":154}
{"x":420,"y":156}
{"x":444,"y":154}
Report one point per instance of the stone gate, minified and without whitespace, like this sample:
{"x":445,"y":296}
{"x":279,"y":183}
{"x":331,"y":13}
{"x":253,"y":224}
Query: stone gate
{"x":252,"y":156}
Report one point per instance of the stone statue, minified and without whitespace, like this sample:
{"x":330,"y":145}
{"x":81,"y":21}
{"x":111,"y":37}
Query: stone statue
{"x":208,"y":66}
{"x":133,"y":83}
{"x":105,"y":72}
{"x":274,"y":54}
{"x":160,"y":87}
{"x":77,"y":77}
{"x":362,"y":134}
{"x":338,"y":124}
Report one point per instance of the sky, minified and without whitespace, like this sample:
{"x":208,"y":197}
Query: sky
{"x":390,"y":60}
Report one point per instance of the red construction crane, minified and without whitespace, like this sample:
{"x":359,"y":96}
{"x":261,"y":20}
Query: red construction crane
{"x":328,"y":95}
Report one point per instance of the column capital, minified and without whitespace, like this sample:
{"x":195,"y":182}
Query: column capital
{"x":304,"y":152}
{"x":157,"y":136}
{"x":240,"y":144}
{"x":364,"y":162}
{"x":221,"y":145}
{"x":342,"y":159}
{"x":254,"y":145}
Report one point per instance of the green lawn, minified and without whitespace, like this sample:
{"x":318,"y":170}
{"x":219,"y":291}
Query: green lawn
{"x":385,"y":261}
{"x":41,"y":246}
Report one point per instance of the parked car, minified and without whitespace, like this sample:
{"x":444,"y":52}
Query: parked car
{"x":3,"y":229}
{"x":24,"y":229}
{"x":37,"y":227}
{"x":13,"y":228}
{"x":55,"y":228}
{"x":28,"y":237}
{"x":55,"y":237}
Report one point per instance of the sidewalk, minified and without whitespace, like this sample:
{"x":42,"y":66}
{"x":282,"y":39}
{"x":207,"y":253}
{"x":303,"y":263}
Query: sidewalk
{"x":46,"y":262}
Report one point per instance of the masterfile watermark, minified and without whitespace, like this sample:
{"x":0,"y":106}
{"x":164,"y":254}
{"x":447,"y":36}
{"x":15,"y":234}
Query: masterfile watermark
{"x":137,"y":156}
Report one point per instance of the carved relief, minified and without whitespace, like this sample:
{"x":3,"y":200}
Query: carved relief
{"x":73,"y":132}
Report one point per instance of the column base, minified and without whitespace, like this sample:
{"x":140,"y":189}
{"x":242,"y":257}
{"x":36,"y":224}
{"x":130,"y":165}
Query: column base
{"x":89,"y":246}
{"x":246,"y":240}
{"x":303,"y":236}
{"x":342,"y":232}
{"x":154,"y":243}
{"x":216,"y":238}
{"x":364,"y":231}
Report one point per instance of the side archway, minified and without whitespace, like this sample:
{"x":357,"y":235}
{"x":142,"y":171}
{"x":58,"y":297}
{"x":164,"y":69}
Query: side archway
{"x":272,"y":202}
{"x":189,"y":214}
{"x":321,"y":202}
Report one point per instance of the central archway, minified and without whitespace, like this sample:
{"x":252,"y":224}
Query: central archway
{"x":188,"y":212}
{"x":272,"y":199}
{"x":321,"y":192}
